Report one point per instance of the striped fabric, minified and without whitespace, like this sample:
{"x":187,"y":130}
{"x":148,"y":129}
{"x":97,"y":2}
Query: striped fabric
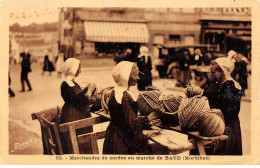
{"x":120,"y":32}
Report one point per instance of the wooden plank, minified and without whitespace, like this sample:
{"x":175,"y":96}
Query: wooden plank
{"x":194,"y":133}
{"x":99,"y":135}
{"x":57,"y":135}
{"x":73,"y":139}
{"x":94,"y":144}
{"x":174,"y":141}
{"x":104,"y":114}
{"x":46,"y":140}
{"x":200,"y":147}
{"x":80,"y":123}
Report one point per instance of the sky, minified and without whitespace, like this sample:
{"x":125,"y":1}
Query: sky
{"x":27,"y":16}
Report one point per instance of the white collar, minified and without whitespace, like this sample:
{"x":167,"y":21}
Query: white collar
{"x":69,"y":80}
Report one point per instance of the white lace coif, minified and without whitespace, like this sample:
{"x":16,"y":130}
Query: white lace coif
{"x":227,"y":67}
{"x":69,"y":69}
{"x":121,"y":73}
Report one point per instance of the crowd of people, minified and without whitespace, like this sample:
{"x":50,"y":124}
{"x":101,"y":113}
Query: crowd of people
{"x":124,"y":134}
{"x":239,"y":73}
{"x":224,"y":89}
{"x":48,"y":66}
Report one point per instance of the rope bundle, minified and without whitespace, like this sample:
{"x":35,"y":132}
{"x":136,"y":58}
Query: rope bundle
{"x":171,"y":102}
{"x":211,"y":123}
{"x":171,"y":105}
{"x":190,"y":110}
{"x":193,"y":90}
{"x":147,"y":100}
{"x":105,"y":97}
{"x":195,"y":114}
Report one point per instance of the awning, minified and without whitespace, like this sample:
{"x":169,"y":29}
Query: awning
{"x":118,"y":32}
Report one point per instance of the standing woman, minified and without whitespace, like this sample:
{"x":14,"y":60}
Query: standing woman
{"x":48,"y":66}
{"x":59,"y":62}
{"x":76,"y":104}
{"x":144,"y":64}
{"x":124,"y":133}
{"x":227,"y":98}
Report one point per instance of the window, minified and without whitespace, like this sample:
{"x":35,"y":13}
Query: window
{"x":175,"y":38}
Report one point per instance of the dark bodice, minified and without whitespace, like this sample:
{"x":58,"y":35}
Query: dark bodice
{"x":74,"y":96}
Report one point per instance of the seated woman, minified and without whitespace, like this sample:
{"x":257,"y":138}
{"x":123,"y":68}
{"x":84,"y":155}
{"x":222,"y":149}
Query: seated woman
{"x":124,"y":133}
{"x":76,"y":104}
{"x":227,"y":97}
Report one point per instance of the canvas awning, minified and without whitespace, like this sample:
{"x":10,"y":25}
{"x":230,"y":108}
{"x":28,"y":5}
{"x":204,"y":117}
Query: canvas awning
{"x":118,"y":32}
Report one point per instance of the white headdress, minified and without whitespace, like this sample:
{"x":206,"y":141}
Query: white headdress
{"x":144,"y":51}
{"x":227,"y":67}
{"x":232,"y":55}
{"x":69,"y":69}
{"x":121,"y":73}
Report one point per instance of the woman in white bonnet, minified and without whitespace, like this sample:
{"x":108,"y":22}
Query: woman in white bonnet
{"x":144,"y":64}
{"x":76,"y":100}
{"x":124,"y":133}
{"x":227,"y":98}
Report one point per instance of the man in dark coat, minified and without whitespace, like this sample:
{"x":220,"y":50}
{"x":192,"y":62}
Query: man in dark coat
{"x":26,"y":68}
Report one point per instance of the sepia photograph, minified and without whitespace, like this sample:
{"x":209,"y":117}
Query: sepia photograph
{"x":130,"y":83}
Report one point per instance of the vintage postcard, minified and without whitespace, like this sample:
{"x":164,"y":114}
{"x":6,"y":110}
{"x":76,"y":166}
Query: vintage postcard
{"x":129,"y":82}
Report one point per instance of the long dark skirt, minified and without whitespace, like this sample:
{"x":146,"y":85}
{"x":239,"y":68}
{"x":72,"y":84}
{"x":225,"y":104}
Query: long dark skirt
{"x":233,"y":146}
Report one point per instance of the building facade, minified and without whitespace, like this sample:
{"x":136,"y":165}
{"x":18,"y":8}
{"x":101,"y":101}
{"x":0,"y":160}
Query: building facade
{"x":105,"y":31}
{"x":38,"y":44}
